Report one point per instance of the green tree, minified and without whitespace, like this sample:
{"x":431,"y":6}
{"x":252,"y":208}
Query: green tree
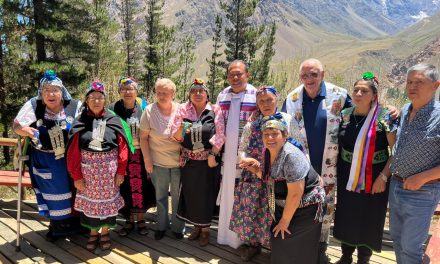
{"x":187,"y":58}
{"x":260,"y":68}
{"x":128,"y":12}
{"x":243,"y":39}
{"x":216,"y":71}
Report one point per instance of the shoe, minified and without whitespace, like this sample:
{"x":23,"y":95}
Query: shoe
{"x":126,"y":229}
{"x":363,"y":260}
{"x":159,"y":234}
{"x":92,"y":243}
{"x":204,"y":238}
{"x":195,"y":234}
{"x":323,"y":258}
{"x":50,"y":237}
{"x":142,"y":228}
{"x":249,"y":252}
{"x":104,"y":242}
{"x":345,"y":260}
{"x":178,"y":235}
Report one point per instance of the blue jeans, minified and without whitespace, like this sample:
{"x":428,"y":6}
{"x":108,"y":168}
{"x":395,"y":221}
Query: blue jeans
{"x":162,"y":178}
{"x":410,"y":217}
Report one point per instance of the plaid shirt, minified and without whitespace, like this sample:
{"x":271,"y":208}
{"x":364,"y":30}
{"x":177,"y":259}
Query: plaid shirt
{"x":417,"y":148}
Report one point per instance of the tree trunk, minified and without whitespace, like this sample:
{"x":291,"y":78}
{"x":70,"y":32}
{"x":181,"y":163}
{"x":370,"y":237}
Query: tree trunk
{"x":39,"y":24}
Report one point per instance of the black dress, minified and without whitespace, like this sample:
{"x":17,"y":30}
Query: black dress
{"x":137,"y":189}
{"x":360,"y":217}
{"x":198,"y":180}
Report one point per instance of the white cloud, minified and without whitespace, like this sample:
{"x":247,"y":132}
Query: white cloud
{"x":421,"y":15}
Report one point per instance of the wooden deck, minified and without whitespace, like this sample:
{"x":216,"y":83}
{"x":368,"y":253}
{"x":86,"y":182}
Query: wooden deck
{"x":132,"y":249}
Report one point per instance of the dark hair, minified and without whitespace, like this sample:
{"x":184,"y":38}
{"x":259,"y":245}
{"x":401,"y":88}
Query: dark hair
{"x":246,"y":67}
{"x":372,"y":84}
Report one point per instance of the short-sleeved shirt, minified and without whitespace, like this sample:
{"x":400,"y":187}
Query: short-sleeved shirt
{"x":290,"y":165}
{"x":417,"y":148}
{"x":163,"y":150}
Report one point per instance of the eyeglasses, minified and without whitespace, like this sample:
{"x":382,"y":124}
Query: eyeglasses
{"x":363,"y":91}
{"x":128,"y":90}
{"x":99,"y":99}
{"x":197,"y":91}
{"x":51,"y":90}
{"x":310,"y":75}
{"x":233,"y":75}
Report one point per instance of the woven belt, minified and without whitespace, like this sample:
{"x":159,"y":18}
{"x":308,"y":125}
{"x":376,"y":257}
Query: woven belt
{"x":378,"y":157}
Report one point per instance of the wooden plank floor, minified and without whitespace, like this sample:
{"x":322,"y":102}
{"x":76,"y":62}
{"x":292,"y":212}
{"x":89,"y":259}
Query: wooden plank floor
{"x":132,"y":249}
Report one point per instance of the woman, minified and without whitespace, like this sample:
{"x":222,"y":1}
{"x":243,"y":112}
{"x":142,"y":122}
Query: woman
{"x":161,"y":155}
{"x":250,"y":218}
{"x":47,"y":119}
{"x":365,"y":135}
{"x":97,"y":157}
{"x":199,"y":126}
{"x":137,"y":190}
{"x":296,"y":198}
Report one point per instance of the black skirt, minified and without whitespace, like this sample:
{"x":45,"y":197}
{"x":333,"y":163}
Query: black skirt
{"x":302,"y":245}
{"x":197,"y":192}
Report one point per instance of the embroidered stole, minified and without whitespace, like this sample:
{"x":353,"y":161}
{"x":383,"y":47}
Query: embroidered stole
{"x":333,"y":103}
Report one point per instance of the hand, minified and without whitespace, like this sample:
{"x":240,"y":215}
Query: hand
{"x":245,"y":163}
{"x":119,"y":179}
{"x":414,"y":183}
{"x":254,"y":116}
{"x":379,"y":185}
{"x":211,"y":161}
{"x":80,"y":185}
{"x":148,"y":166}
{"x":394,"y":112}
{"x":281,"y":227}
{"x":29,"y":131}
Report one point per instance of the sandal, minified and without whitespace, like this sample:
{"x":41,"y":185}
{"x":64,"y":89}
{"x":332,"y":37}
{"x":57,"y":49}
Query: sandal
{"x":92,"y":243}
{"x":142,"y":227}
{"x":126,"y":229}
{"x":104,"y":242}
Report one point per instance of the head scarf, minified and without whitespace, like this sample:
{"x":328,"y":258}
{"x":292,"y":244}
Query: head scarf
{"x":50,"y":78}
{"x":273,"y":122}
{"x":128,"y":81}
{"x":265,"y":88}
{"x":95,"y":86}
{"x":199,"y":83}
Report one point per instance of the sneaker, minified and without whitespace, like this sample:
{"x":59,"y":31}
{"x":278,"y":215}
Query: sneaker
{"x":178,"y":235}
{"x":159,"y":234}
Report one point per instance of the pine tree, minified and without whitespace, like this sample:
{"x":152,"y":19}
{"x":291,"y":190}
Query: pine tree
{"x":260,"y":69}
{"x":216,"y":71}
{"x":187,"y":58}
{"x":242,"y":39}
{"x":128,"y":12}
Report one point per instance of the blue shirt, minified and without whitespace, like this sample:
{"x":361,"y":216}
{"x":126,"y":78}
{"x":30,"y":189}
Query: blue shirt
{"x":417,"y":148}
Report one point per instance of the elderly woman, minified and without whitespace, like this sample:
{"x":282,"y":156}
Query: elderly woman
{"x":161,"y":155}
{"x":365,"y":135}
{"x":250,"y":217}
{"x":137,"y":190}
{"x":47,"y":119}
{"x":97,"y":157}
{"x":296,"y":198}
{"x":199,"y":126}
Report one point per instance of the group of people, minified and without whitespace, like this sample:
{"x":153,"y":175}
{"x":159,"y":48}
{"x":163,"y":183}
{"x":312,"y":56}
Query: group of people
{"x":279,"y":176}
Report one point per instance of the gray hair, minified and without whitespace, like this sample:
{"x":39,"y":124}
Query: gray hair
{"x":427,"y":69}
{"x":165,"y":82}
{"x":312,"y":61}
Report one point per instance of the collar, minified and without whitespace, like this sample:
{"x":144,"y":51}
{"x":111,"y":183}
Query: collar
{"x":427,"y":108}
{"x":322,"y":92}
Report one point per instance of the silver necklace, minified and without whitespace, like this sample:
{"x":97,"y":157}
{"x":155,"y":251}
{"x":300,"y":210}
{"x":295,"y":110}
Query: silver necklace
{"x":357,"y":123}
{"x":196,"y":136}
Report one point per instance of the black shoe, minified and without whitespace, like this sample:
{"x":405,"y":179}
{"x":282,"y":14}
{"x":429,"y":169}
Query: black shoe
{"x":178,"y":235}
{"x":345,"y":260}
{"x":50,"y":237}
{"x":323,"y":258}
{"x":159,"y":234}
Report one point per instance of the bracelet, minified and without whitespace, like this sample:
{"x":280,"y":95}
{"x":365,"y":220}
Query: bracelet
{"x":213,"y":154}
{"x":185,"y":127}
{"x":384,"y":178}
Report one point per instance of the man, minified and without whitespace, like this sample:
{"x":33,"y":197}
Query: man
{"x":315,"y":107}
{"x":415,"y":181}
{"x":237,"y":103}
